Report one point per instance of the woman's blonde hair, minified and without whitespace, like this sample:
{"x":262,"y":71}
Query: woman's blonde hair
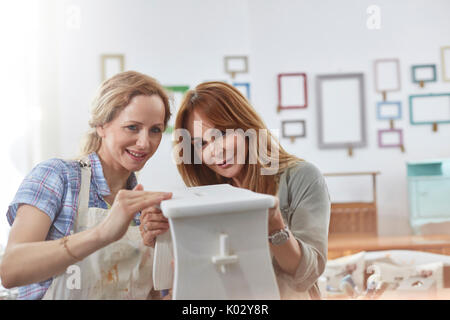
{"x":226,"y":108}
{"x":113,"y":96}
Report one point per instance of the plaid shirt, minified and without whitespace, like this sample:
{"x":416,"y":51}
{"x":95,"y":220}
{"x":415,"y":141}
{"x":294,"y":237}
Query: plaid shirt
{"x":53,"y":187}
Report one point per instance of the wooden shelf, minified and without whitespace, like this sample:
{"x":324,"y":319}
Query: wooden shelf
{"x":355,"y":217}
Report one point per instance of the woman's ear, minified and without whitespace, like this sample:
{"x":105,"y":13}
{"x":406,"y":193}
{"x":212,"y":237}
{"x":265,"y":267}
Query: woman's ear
{"x":100,"y":131}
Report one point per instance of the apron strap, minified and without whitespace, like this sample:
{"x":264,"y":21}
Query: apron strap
{"x":83,"y":197}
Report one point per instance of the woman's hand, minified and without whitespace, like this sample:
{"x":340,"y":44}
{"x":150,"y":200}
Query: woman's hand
{"x":126,"y":204}
{"x":153,"y":223}
{"x":273,"y":211}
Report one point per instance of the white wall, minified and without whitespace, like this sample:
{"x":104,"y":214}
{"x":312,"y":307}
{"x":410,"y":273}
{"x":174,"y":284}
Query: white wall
{"x":19,"y":123}
{"x":330,"y":37}
{"x":183,"y":42}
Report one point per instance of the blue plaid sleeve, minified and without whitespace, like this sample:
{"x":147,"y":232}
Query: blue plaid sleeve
{"x":43,"y":188}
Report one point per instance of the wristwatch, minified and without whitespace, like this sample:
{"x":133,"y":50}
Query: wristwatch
{"x":279,"y":237}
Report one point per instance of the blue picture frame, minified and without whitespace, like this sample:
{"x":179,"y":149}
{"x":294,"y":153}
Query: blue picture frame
{"x":380,"y":115}
{"x":422,"y":96}
{"x":246,"y":85}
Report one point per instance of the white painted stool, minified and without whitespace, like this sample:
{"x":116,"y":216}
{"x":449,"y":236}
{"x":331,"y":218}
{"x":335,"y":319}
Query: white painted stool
{"x":220,"y":245}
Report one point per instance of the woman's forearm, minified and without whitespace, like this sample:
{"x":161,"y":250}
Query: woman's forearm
{"x":31,"y":262}
{"x":288,"y":254}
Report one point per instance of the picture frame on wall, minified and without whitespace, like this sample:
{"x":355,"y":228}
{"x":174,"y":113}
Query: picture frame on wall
{"x":293,"y":129}
{"x":445,"y":63}
{"x":389,"y":110}
{"x":423,"y":73}
{"x":337,"y":95}
{"x":244,"y":88}
{"x":235,"y":64}
{"x":429,"y":109}
{"x":292,"y":91}
{"x":111,"y":64}
{"x":391,"y":138}
{"x":387,"y":76}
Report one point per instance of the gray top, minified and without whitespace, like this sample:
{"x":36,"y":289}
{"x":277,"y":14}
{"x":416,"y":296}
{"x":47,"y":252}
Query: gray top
{"x":305,"y":207}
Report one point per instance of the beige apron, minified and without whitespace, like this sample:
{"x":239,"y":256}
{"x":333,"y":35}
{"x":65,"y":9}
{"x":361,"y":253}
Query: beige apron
{"x":121,"y":270}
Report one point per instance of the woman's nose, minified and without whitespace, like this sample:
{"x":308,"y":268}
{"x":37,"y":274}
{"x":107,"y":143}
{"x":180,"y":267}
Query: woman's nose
{"x":208,"y":154}
{"x":213,"y":153}
{"x":143,"y":141}
{"x":219,"y":150}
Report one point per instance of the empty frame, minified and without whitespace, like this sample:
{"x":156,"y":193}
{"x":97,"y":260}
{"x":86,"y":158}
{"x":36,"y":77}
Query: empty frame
{"x":244,"y":88}
{"x":292,"y":91}
{"x":389,"y":110}
{"x":390,"y":138}
{"x":293,"y":129}
{"x":111,"y":64}
{"x":387,"y":76}
{"x":445,"y":59}
{"x":429,"y":109}
{"x":176,"y":94}
{"x":341,"y":111}
{"x":423,"y":73}
{"x":236,"y":64}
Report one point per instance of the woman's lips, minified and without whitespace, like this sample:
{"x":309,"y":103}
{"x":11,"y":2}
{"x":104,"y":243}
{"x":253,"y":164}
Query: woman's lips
{"x":136,"y":156}
{"x":226,"y":164}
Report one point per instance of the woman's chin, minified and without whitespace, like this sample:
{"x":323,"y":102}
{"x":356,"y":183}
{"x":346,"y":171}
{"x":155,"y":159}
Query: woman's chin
{"x":229,"y":172}
{"x":132,"y":167}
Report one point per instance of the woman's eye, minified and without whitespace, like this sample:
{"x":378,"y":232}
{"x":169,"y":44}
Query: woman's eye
{"x":156,"y":130}
{"x":199,"y":144}
{"x":132,"y":127}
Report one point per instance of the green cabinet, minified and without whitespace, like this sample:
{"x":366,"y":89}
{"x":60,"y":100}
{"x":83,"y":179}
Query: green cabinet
{"x":429,"y":192}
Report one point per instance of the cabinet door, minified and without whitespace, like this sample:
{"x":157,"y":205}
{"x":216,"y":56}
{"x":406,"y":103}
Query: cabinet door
{"x":433,"y":198}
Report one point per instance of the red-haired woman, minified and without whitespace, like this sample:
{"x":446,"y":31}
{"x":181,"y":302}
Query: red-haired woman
{"x":229,"y":143}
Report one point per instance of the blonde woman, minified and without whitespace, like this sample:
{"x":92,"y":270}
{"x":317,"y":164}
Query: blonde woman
{"x":229,"y":143}
{"x":74,"y":234}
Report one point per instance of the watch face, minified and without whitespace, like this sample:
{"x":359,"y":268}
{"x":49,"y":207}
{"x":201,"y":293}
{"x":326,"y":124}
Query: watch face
{"x":280,"y":237}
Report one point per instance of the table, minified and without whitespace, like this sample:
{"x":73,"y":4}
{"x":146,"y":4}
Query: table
{"x":345,"y":244}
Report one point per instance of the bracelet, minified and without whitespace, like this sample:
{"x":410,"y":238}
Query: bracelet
{"x":64,"y":243}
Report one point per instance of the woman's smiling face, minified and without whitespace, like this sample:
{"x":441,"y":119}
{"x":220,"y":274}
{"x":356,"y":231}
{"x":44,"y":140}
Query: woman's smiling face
{"x":221,"y":151}
{"x":133,"y":136}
